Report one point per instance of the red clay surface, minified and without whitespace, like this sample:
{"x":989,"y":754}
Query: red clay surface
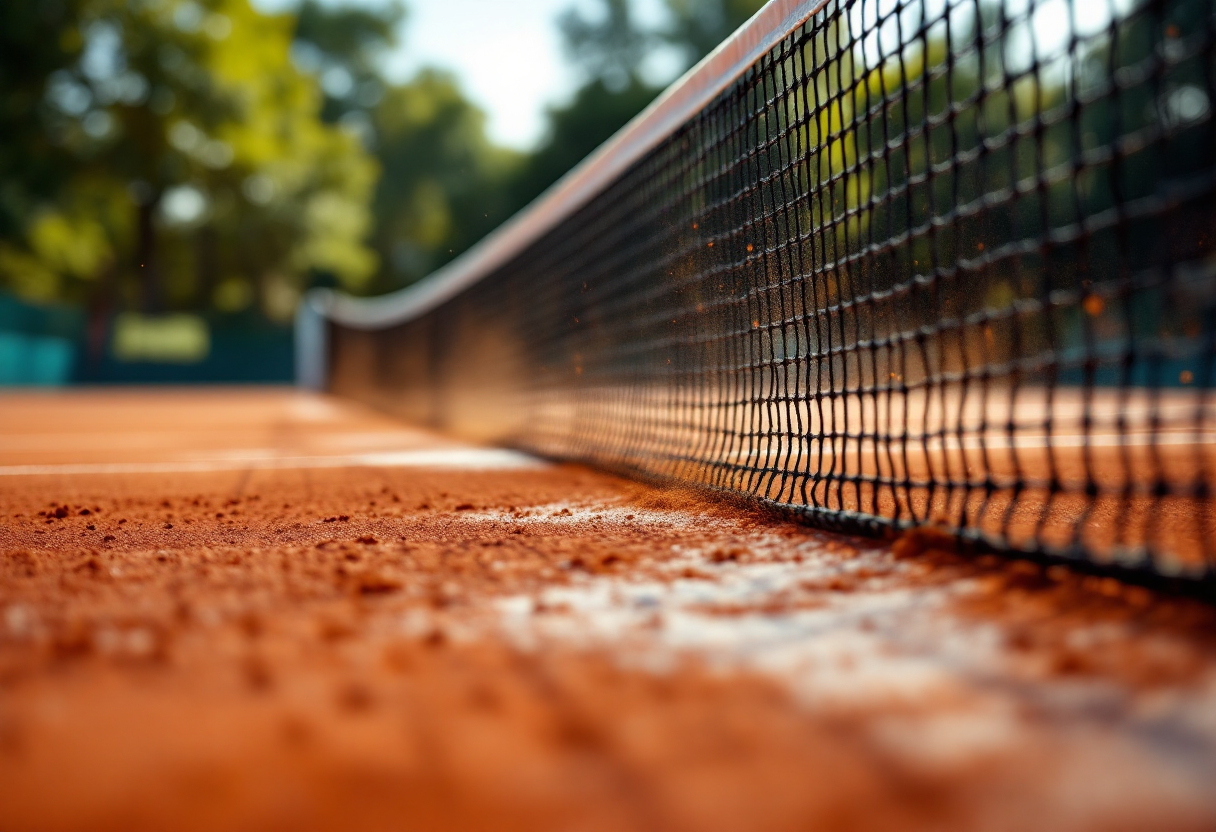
{"x":268,"y":610}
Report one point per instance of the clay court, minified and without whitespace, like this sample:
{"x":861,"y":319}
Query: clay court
{"x":832,"y":448}
{"x":265,"y":609}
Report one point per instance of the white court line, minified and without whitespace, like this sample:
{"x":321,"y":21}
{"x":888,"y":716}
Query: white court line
{"x":347,"y":441}
{"x":451,"y":459}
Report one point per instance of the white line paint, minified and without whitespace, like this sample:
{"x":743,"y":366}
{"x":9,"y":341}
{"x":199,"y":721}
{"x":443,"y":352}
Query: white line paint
{"x":449,"y":459}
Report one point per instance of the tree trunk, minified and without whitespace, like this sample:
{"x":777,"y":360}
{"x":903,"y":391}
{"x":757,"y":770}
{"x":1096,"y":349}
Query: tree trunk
{"x":97,"y":332}
{"x":207,"y":266}
{"x":151,"y":291}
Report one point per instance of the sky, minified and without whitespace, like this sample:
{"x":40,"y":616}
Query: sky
{"x":506,"y":53}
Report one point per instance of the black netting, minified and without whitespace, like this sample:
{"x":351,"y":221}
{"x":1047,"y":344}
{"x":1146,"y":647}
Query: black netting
{"x":925,"y":262}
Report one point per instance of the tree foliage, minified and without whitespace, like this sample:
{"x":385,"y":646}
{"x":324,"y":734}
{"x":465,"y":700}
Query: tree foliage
{"x":166,"y":155}
{"x":36,"y":40}
{"x":344,"y":47}
{"x":696,"y":27}
{"x":608,"y":47}
{"x":444,"y":185}
{"x":193,"y":169}
{"x":576,"y":129}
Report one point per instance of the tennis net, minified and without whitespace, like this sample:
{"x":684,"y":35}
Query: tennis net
{"x":883,"y":263}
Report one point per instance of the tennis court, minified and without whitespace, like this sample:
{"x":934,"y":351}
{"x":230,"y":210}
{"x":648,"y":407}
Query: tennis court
{"x":833,"y":448}
{"x":282,"y":610}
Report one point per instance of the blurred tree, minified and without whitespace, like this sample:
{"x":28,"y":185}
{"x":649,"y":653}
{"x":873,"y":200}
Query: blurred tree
{"x":575,"y":130}
{"x":444,"y":183}
{"x":196,"y":169}
{"x":36,"y":40}
{"x":696,"y":27}
{"x":345,"y":46}
{"x":608,"y":47}
{"x":607,"y":50}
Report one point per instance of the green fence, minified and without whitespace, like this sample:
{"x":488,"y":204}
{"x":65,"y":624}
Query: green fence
{"x":52,"y":345}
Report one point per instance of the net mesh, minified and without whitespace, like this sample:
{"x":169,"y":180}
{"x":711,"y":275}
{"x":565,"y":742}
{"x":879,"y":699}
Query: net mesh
{"x":940,"y":263}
